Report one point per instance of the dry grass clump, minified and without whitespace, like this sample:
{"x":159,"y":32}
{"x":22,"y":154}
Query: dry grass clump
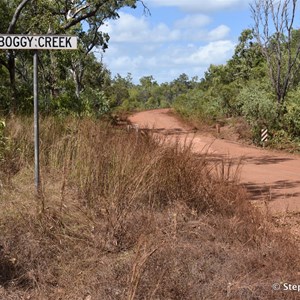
{"x":125,"y":216}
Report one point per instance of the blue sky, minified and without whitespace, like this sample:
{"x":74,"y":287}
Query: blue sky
{"x":180,"y":36}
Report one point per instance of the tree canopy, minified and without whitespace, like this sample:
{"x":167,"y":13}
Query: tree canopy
{"x":83,"y":18}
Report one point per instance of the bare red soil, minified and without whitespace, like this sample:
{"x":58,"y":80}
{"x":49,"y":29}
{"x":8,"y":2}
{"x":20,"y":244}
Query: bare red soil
{"x":273,"y":177}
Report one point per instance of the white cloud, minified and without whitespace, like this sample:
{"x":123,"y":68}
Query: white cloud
{"x":214,"y":52}
{"x":188,"y":46}
{"x":137,"y":30}
{"x":130,"y":29}
{"x":204,"y":35}
{"x":193,"y":56}
{"x":167,"y":63}
{"x":201,"y":5}
{"x":193,"y":21}
{"x":219,"y":33}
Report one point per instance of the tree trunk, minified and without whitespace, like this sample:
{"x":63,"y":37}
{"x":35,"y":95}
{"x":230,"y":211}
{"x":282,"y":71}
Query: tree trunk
{"x":77,"y":84}
{"x":77,"y":73}
{"x":12,"y":77}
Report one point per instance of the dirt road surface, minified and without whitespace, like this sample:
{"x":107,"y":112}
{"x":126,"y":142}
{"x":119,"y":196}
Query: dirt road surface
{"x":267,"y":175}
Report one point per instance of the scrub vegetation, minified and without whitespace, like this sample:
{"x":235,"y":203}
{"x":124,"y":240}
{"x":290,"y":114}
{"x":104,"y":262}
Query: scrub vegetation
{"x":258,"y":86}
{"x":126,"y":216}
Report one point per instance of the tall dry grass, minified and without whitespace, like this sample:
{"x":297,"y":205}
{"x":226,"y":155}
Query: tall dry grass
{"x":126,"y":216}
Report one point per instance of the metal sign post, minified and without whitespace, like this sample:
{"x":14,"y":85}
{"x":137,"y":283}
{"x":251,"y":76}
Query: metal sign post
{"x":37,"y":42}
{"x":36,"y":123}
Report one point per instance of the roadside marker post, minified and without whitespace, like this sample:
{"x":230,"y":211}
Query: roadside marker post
{"x":37,"y":42}
{"x":264,"y":135}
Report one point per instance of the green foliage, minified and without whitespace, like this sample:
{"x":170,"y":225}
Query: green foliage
{"x":195,"y":104}
{"x":25,"y":94}
{"x":247,"y":62}
{"x":95,"y":103}
{"x":119,"y":90}
{"x":81,"y":18}
{"x":242,"y":88}
{"x":258,"y":107}
{"x":281,"y":139}
{"x":4,"y":94}
{"x":77,"y":83}
{"x":148,"y":94}
{"x":226,"y":95}
{"x":66,"y":104}
{"x":92,"y":102}
{"x":130,"y":105}
{"x":164,"y":104}
{"x":152,"y":103}
{"x":292,"y":116}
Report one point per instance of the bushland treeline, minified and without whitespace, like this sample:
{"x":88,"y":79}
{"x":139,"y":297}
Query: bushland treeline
{"x":241,"y":88}
{"x":69,"y":81}
{"x":260,"y":83}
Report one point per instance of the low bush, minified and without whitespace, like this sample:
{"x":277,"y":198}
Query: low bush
{"x":197,"y":105}
{"x":292,"y":115}
{"x":259,"y":108}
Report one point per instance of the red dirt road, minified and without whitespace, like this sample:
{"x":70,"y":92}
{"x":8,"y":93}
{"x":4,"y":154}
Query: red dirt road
{"x":267,"y":175}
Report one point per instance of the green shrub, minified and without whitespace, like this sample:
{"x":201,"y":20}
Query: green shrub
{"x":291,"y":118}
{"x":152,"y":103}
{"x":130,"y":105}
{"x":197,"y":104}
{"x":65,"y":104}
{"x":164,"y":103}
{"x":95,"y":103}
{"x":258,"y":107}
{"x":227,"y":95}
{"x":282,"y":140}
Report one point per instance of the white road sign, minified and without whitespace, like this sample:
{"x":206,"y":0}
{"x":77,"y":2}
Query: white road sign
{"x":38,"y":42}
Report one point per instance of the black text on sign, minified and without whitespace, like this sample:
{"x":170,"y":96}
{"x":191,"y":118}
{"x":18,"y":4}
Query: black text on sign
{"x":38,"y":42}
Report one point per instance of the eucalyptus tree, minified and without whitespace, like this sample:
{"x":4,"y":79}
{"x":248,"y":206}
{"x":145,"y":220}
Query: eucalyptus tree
{"x":274,"y":31}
